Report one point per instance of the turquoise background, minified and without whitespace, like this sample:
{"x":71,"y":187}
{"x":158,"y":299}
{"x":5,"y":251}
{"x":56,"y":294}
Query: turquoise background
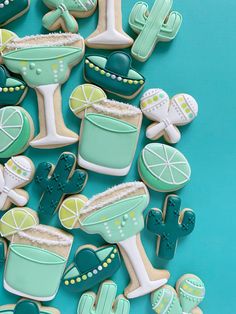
{"x":201,"y":62}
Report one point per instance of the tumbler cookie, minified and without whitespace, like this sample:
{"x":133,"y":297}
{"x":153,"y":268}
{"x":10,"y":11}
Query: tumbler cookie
{"x":108,"y":73}
{"x":45,"y":62}
{"x":10,"y":10}
{"x":16,"y":173}
{"x":163,"y":168}
{"x":109,"y":33}
{"x":27,"y":306}
{"x":117,"y":215}
{"x":170,"y":225}
{"x":167,"y":114}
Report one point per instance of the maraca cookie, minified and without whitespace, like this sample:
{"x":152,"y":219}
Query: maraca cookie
{"x":167,"y":113}
{"x":10,"y":10}
{"x":163,"y":168}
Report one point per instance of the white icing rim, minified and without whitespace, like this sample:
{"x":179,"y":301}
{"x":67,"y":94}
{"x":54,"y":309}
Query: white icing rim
{"x":128,"y":110}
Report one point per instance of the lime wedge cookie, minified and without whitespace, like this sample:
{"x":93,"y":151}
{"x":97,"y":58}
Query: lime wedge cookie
{"x":163,"y":168}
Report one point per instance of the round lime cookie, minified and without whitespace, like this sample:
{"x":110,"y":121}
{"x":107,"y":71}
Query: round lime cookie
{"x":163,"y":168}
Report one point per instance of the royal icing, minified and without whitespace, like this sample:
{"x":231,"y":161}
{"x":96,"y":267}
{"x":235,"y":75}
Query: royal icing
{"x":163,"y":168}
{"x":117,"y":215}
{"x":64,"y":13}
{"x":156,"y":106}
{"x":170,"y":225}
{"x":44,"y":61}
{"x":3,"y":250}
{"x":16,"y":130}
{"x":160,"y":24}
{"x":107,"y":73}
{"x":6,"y":37}
{"x":105,"y":302}
{"x":58,"y":181}
{"x":12,"y":9}
{"x":27,"y":306}
{"x":91,"y":266}
{"x":16,"y":173}
{"x":109,"y":33}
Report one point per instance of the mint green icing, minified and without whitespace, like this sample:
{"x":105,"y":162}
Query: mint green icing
{"x":102,"y":254}
{"x":165,"y":300}
{"x":98,"y":60}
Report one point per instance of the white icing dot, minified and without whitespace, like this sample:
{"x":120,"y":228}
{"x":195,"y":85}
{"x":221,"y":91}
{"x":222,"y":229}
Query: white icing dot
{"x":0,"y":89}
{"x":113,"y":76}
{"x":119,"y":78}
{"x":100,"y":268}
{"x":6,"y":2}
{"x":1,"y":5}
{"x":95,"y":272}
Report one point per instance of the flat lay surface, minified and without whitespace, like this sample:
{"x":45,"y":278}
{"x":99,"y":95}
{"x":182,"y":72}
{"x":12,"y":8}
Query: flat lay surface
{"x":199,"y":62}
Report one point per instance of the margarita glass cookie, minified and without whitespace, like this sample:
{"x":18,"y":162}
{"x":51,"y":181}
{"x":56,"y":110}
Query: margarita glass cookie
{"x":91,"y":266}
{"x":108,"y":73}
{"x":64,"y":12}
{"x":117,"y":215}
{"x":170,"y":225}
{"x":16,"y":173}
{"x":16,"y":131}
{"x":109,"y":33}
{"x":163,"y":168}
{"x":37,"y":255}
{"x":10,"y":10}
{"x":167,"y":113}
{"x":3,"y":250}
{"x":45,"y":62}
{"x":189,"y":293}
{"x":6,"y":37}
{"x":160,"y":24}
{"x":57,"y":181}
{"x":27,"y":306}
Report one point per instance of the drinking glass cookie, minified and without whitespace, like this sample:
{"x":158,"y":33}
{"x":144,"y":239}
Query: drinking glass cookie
{"x":170,"y":225}
{"x":64,"y":12}
{"x":10,"y":10}
{"x":163,"y":168}
{"x":108,"y":73}
{"x":16,"y":131}
{"x":91,"y":266}
{"x":16,"y":173}
{"x":105,"y":302}
{"x":117,"y":215}
{"x":109,"y":33}
{"x":45,"y":62}
{"x":37,"y":255}
{"x":167,"y":114}
{"x":27,"y":306}
{"x":159,"y":25}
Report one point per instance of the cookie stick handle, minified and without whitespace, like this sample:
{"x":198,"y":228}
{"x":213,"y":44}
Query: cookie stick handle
{"x":172,"y":132}
{"x":18,"y":199}
{"x":3,"y":198}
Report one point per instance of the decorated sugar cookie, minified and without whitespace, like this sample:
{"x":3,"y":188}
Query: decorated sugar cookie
{"x":3,"y":250}
{"x":27,"y":306}
{"x":6,"y":37}
{"x":45,"y":62}
{"x":37,"y":255}
{"x":16,"y":173}
{"x":170,"y":225}
{"x":160,"y":24}
{"x":64,"y":12}
{"x":167,"y":114}
{"x":109,"y":33}
{"x":108,"y":73}
{"x":10,"y":10}
{"x":105,"y":302}
{"x":16,"y":131}
{"x":163,"y":168}
{"x":91,"y":266}
{"x":57,"y":181}
{"x":189,"y":293}
{"x":117,"y":215}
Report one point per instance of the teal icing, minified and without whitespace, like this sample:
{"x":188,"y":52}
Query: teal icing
{"x":11,"y":10}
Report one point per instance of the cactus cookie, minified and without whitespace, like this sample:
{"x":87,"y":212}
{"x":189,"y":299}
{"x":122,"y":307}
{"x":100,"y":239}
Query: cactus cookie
{"x":64,"y":12}
{"x":16,"y":173}
{"x":163,"y":168}
{"x":91,"y":266}
{"x":170,"y":225}
{"x":27,"y":307}
{"x":105,"y":302}
{"x":167,"y":114}
{"x":57,"y":181}
{"x":10,"y":10}
{"x":160,"y":24}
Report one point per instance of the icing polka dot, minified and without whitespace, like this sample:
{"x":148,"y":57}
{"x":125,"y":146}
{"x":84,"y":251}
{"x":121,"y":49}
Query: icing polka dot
{"x":72,"y":281}
{"x":109,"y":261}
{"x":113,"y":77}
{"x":78,"y":279}
{"x":105,"y":265}
{"x":100,"y":268}
{"x":95,"y":272}
{"x":66,"y":282}
{"x":90,"y":275}
{"x":84,"y":277}
{"x":5,"y":89}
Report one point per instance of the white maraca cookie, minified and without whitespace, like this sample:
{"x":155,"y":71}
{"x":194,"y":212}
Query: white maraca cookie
{"x":16,"y":173}
{"x":167,"y":113}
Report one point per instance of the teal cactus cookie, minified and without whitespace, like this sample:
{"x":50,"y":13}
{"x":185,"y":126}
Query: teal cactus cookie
{"x":160,"y":24}
{"x":106,"y":302}
{"x":3,"y":250}
{"x":58,"y":181}
{"x":27,"y":307}
{"x":64,"y":12}
{"x":91,"y":266}
{"x":170,"y":225}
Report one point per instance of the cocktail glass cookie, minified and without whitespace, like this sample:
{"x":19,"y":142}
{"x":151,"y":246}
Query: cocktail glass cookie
{"x":11,"y":10}
{"x":27,"y":306}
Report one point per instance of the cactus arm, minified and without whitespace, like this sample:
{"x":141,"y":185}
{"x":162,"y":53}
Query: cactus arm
{"x":138,"y":16}
{"x":187,"y":222}
{"x":42,"y":172}
{"x":86,"y":303}
{"x":107,"y":295}
{"x":155,"y":221}
{"x":171,"y":27}
{"x":76,"y":183}
{"x":122,"y":306}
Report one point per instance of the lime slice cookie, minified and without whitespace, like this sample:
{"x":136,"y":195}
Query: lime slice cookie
{"x":70,"y":211}
{"x":6,"y":37}
{"x":84,"y":96}
{"x":163,"y":168}
{"x":16,"y":220}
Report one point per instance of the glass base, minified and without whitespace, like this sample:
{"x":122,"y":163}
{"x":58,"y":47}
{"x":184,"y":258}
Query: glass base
{"x":111,"y":37}
{"x":148,"y":287}
{"x":53,"y":141}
